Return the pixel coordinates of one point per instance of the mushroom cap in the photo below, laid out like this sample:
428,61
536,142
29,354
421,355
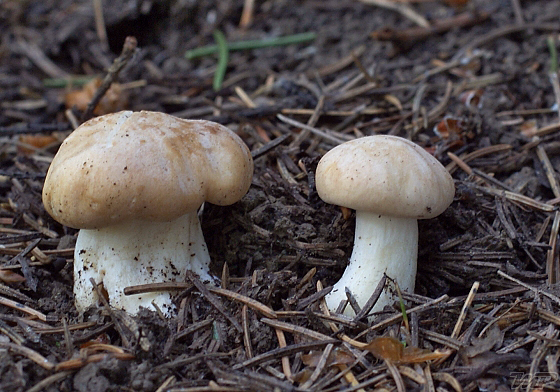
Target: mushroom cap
385,174
144,165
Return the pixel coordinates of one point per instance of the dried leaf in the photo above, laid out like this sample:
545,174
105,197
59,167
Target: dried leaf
8,276
103,339
393,100
338,356
388,348
457,3
36,141
302,376
472,98
114,100
346,213
451,127
494,338
529,128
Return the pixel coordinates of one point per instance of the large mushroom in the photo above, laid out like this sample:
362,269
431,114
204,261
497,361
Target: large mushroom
132,183
390,182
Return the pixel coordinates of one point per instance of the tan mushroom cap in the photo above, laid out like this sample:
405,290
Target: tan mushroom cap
384,174
144,165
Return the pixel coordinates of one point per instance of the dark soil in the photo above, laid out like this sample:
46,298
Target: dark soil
280,241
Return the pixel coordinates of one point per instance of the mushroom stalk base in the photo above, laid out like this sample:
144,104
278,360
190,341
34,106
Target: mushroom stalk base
136,253
382,244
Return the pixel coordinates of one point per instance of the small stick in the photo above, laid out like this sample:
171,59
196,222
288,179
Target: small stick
535,290
166,384
269,146
304,134
411,374
542,230
401,8
100,24
553,73
502,32
53,330
319,368
23,308
403,39
398,317
213,300
287,327
414,329
324,308
246,334
252,303
436,110
506,223
247,14
491,180
40,59
348,375
193,328
480,153
441,68
6,290
352,301
245,97
316,131
225,276
12,239
518,12
286,368
307,277
542,313
288,350
282,314
114,318
29,353
67,339
396,375
77,363
538,355
519,198
338,65
459,162
547,129
552,267
38,226
69,113
128,51
549,170
429,386
44,383
463,315
10,333
30,334
362,69
32,280
372,300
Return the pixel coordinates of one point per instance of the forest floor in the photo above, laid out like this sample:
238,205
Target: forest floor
478,89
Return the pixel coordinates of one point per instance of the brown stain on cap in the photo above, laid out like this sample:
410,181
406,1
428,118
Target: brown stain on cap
145,166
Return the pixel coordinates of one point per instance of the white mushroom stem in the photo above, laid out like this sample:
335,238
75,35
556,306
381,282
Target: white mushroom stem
135,253
382,244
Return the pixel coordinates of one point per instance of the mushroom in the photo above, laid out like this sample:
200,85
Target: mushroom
132,183
390,182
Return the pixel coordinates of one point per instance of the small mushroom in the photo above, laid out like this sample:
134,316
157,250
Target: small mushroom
390,182
132,183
